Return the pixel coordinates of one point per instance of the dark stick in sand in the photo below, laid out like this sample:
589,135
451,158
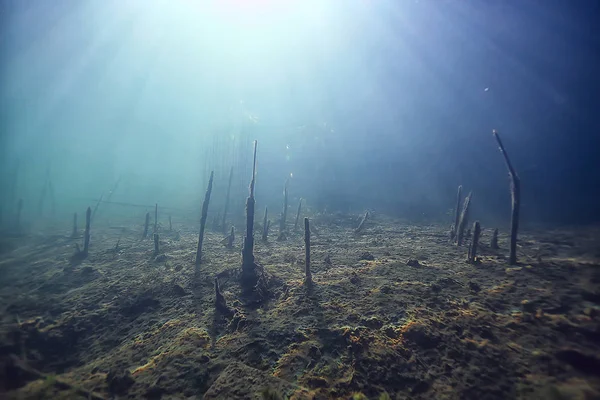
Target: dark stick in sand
472,258
298,215
265,232
464,219
227,200
86,237
203,219
361,225
282,222
249,277
515,191
146,224
155,218
231,238
308,278
494,241
112,191
74,233
456,212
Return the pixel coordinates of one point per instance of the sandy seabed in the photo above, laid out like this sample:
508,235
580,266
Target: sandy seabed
394,312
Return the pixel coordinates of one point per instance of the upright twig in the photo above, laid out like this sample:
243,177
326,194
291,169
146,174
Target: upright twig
515,190
298,215
282,221
472,257
249,277
464,219
203,218
146,225
86,237
456,213
308,278
74,233
97,205
265,232
361,225
231,238
494,240
226,209
156,248
112,191
155,218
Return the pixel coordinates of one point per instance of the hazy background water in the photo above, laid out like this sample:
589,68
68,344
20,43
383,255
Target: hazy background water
379,104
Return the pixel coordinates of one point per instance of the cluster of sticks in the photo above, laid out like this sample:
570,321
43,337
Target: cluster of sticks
461,215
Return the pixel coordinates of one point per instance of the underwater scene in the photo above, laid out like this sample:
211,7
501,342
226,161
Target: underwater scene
261,199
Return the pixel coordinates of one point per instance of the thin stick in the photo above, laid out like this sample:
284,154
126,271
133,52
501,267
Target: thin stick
97,205
515,190
155,218
146,224
248,266
298,215
265,232
472,258
457,211
227,201
112,191
464,219
494,241
86,237
231,238
362,222
282,228
253,172
308,279
203,218
74,233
